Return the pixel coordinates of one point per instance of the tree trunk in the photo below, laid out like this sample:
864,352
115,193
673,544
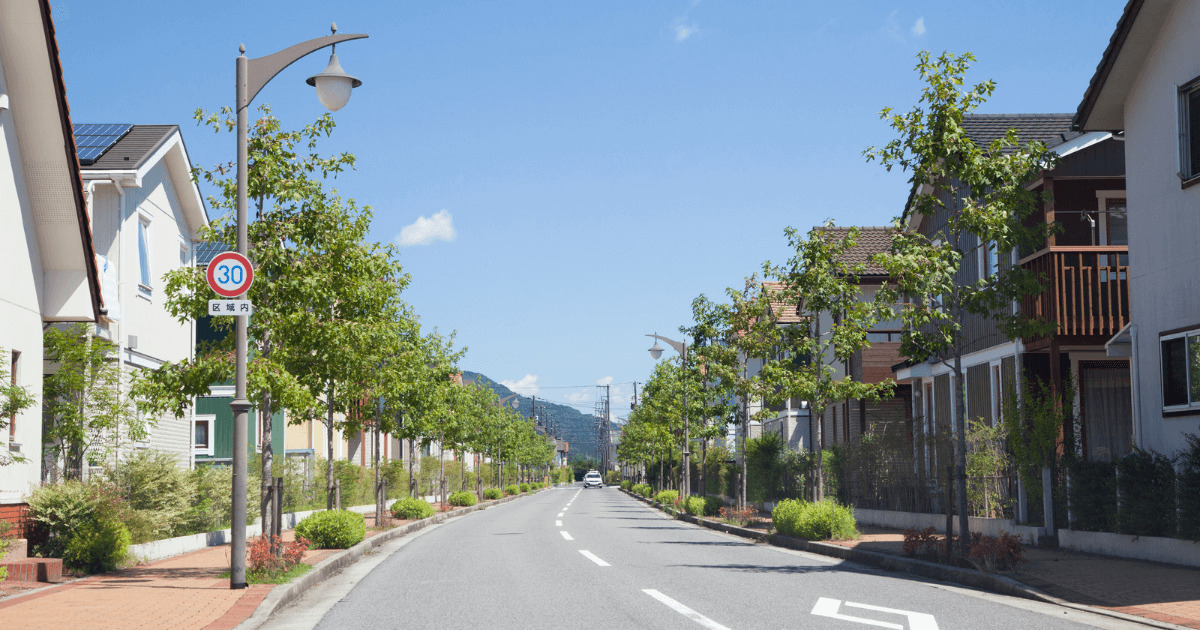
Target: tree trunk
960,455
380,499
329,498
268,467
412,478
441,468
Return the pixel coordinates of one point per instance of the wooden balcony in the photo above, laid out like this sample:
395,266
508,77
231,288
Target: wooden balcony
1086,291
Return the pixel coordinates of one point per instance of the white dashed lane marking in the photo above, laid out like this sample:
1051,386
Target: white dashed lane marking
591,556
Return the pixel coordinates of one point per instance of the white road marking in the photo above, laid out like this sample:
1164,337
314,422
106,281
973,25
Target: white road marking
558,523
591,556
565,534
827,607
560,515
684,610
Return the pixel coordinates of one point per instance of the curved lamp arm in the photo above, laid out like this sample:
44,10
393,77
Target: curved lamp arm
261,70
679,347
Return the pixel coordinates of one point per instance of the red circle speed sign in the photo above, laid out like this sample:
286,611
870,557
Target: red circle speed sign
230,274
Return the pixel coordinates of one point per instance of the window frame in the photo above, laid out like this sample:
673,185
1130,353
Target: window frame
145,237
1189,174
1191,405
211,421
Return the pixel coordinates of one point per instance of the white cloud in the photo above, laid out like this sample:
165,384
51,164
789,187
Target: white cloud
526,386
684,31
918,27
439,227
607,380
579,397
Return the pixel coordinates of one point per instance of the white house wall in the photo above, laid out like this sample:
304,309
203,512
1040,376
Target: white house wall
1164,220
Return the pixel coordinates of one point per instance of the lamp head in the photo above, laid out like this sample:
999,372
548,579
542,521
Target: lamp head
333,85
656,350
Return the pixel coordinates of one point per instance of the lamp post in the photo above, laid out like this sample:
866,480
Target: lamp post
656,352
333,90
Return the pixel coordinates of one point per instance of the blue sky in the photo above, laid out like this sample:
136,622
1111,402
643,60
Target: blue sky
567,176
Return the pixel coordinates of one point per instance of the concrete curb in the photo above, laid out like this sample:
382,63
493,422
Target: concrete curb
932,570
285,594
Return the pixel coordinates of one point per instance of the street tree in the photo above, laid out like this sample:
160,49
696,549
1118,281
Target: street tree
13,400
978,196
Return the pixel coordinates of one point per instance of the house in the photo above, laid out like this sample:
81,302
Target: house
1147,86
847,420
1085,294
145,214
50,271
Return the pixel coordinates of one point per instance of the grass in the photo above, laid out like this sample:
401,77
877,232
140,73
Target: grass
263,577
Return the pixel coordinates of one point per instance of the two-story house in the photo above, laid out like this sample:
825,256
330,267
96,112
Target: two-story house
1085,272
50,274
1147,86
145,214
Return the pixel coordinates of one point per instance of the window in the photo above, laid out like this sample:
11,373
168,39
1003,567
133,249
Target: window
143,241
1181,370
185,254
1189,130
989,262
202,437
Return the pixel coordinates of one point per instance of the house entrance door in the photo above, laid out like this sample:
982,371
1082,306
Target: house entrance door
1106,409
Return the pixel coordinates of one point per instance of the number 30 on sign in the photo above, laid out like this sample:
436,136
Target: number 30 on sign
230,274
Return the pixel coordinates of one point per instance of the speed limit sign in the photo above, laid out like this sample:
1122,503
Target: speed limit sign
230,274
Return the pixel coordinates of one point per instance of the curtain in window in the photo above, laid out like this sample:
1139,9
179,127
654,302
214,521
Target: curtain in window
1107,410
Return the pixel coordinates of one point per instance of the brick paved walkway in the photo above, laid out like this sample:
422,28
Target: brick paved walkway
185,591
1163,592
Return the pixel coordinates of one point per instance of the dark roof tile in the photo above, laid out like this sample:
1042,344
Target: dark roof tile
130,152
1049,129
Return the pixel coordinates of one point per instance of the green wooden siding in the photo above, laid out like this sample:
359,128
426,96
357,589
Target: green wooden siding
223,428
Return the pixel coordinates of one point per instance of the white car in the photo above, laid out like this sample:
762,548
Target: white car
593,478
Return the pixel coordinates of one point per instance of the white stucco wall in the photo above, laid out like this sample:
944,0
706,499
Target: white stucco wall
1164,220
20,309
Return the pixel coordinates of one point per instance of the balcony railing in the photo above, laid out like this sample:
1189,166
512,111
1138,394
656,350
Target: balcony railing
1086,290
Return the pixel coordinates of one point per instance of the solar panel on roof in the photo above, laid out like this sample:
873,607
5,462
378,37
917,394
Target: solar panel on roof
93,140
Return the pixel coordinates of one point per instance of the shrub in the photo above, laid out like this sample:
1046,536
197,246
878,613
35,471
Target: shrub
59,512
694,506
158,492
462,499
989,553
922,543
512,489
626,484
612,477
524,487
821,520
1147,485
493,493
736,517
667,497
410,508
261,557
646,491
1093,492
333,529
97,547
713,505
1189,489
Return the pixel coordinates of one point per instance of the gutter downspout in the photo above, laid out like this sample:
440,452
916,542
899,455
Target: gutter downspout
1139,440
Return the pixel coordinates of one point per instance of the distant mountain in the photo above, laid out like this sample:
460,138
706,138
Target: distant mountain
568,423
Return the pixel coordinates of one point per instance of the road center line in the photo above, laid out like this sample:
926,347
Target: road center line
684,610
565,534
560,515
591,556
558,523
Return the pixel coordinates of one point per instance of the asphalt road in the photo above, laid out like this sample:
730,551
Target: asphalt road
574,558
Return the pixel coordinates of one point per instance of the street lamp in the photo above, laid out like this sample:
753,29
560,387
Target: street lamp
656,352
333,90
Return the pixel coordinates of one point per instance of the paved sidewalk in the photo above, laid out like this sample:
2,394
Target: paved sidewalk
185,591
1162,592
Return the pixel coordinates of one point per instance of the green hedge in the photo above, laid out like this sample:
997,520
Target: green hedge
1189,489
524,487
409,508
626,484
492,494
333,529
814,521
713,505
1094,495
694,506
1147,487
667,497
512,489
462,499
